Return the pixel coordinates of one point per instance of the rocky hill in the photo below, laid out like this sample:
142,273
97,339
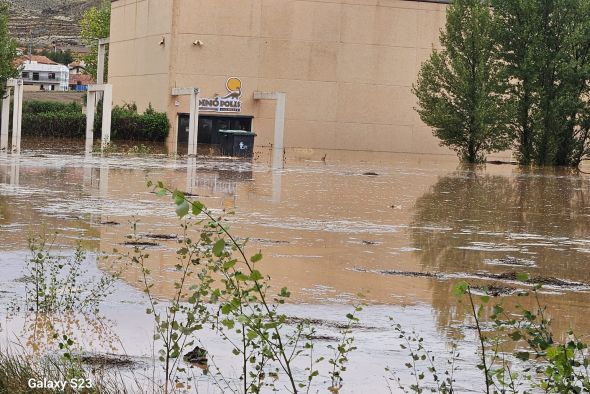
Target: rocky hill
45,22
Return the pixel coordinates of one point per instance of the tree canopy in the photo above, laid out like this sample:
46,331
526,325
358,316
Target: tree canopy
511,72
7,50
95,24
459,88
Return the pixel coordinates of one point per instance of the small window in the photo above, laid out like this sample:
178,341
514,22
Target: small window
51,75
35,76
25,74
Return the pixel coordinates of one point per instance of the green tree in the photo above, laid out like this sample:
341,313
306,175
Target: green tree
7,50
460,89
545,47
95,24
61,57
516,35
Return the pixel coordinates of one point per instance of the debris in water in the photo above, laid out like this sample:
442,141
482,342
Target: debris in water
196,356
161,236
140,243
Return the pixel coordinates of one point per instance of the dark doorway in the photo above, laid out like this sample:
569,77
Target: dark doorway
209,126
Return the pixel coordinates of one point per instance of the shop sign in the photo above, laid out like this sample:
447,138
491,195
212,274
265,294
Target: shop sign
229,103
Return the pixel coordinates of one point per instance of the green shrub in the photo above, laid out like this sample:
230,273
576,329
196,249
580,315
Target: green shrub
127,124
58,120
37,107
54,124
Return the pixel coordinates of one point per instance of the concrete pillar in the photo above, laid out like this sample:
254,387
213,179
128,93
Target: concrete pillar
19,128
277,181
279,120
278,146
90,107
100,61
193,125
17,109
5,121
107,107
191,174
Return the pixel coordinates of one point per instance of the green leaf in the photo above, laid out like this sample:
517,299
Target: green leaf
182,209
257,257
460,289
229,264
255,275
178,197
218,247
522,276
197,207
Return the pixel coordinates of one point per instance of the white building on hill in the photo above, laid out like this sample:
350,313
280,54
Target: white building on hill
41,72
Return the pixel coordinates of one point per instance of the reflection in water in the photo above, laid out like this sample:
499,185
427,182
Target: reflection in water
43,333
535,221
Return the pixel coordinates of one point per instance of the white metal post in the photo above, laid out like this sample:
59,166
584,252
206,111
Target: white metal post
193,122
5,121
107,106
193,128
19,127
191,174
90,106
100,63
278,146
15,120
279,120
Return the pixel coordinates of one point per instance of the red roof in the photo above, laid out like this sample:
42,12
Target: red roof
84,79
35,58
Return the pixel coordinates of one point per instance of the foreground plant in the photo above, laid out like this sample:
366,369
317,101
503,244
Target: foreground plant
55,282
219,286
539,361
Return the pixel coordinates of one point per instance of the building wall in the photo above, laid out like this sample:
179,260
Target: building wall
347,66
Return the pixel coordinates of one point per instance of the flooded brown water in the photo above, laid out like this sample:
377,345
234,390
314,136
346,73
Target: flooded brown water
399,229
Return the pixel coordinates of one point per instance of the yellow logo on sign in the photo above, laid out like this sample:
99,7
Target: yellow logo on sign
228,103
234,87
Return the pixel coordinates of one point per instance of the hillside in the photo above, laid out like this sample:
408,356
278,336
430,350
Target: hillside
48,21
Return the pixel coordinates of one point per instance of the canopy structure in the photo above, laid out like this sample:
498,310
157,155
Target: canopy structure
16,86
107,107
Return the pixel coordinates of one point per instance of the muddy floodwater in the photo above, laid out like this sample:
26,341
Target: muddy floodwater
399,229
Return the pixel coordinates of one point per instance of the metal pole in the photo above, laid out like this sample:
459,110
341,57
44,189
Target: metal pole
193,127
107,107
21,92
5,121
15,113
90,105
278,146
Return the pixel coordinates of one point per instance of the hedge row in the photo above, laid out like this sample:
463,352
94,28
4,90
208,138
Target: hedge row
129,125
36,107
49,119
54,124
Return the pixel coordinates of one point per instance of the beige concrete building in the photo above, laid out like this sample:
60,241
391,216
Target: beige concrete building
346,67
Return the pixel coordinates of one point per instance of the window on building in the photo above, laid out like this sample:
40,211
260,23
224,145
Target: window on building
25,74
35,76
51,75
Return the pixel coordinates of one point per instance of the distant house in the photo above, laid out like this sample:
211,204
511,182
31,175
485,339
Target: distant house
80,82
77,67
42,72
